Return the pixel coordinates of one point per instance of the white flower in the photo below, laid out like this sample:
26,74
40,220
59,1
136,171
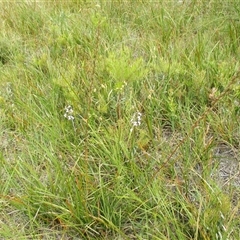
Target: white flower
136,120
69,113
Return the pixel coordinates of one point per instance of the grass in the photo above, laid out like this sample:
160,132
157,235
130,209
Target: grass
119,120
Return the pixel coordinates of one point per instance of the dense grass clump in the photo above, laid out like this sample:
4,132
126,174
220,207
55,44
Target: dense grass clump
119,120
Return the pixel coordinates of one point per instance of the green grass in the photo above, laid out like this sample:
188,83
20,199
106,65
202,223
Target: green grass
154,97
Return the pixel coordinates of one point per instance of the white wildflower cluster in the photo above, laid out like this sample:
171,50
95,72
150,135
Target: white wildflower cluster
69,113
136,120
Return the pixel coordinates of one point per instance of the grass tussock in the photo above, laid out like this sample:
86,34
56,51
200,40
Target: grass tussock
119,120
